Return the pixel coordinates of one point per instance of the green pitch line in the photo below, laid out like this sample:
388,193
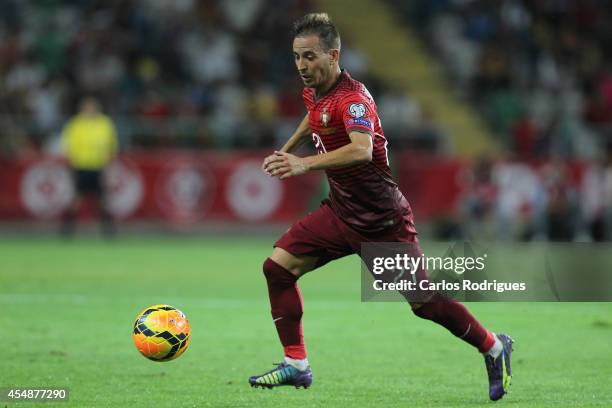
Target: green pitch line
68,307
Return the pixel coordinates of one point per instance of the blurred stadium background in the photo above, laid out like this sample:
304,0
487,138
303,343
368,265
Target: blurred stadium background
497,112
498,118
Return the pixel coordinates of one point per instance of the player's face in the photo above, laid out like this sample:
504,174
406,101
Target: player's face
314,65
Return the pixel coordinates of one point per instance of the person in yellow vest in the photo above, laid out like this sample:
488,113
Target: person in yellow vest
89,142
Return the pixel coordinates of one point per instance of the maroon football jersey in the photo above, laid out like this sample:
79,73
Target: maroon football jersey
364,195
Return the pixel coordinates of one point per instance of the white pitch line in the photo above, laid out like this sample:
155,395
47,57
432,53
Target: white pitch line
209,303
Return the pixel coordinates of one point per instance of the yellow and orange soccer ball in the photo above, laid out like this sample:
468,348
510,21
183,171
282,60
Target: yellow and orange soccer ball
161,333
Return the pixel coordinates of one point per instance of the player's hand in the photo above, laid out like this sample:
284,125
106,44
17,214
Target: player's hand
284,165
269,159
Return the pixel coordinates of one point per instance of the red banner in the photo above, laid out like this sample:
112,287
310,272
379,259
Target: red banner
187,187
432,185
174,186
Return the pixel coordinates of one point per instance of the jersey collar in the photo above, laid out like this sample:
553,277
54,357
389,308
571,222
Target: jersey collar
343,75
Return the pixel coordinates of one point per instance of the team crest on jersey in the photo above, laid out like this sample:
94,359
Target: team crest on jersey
357,110
325,117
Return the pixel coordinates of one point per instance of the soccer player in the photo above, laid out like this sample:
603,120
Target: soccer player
89,141
364,205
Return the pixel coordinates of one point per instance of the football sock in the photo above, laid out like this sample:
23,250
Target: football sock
286,303
458,320
301,365
496,349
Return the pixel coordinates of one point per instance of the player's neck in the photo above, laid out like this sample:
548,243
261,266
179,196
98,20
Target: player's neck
329,84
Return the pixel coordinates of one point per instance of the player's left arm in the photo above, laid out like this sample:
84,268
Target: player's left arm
358,151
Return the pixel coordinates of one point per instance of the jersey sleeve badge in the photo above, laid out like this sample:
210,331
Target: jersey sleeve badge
357,116
357,110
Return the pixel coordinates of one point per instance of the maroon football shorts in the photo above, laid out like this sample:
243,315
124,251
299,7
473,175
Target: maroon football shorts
323,235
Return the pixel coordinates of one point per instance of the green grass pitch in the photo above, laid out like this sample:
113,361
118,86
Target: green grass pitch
67,310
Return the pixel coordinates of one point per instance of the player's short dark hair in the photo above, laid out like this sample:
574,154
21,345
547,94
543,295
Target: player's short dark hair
318,24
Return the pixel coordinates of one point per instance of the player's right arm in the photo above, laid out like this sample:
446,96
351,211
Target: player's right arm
299,137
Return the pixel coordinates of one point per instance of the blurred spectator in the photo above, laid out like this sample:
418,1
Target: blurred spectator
479,200
596,201
561,214
525,137
399,112
45,104
353,60
598,112
407,125
521,201
90,144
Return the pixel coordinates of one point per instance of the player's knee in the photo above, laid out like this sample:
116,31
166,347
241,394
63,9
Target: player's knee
417,309
296,265
276,275
426,311
429,310
415,306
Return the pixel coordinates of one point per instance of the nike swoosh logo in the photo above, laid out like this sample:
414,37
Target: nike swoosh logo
278,318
